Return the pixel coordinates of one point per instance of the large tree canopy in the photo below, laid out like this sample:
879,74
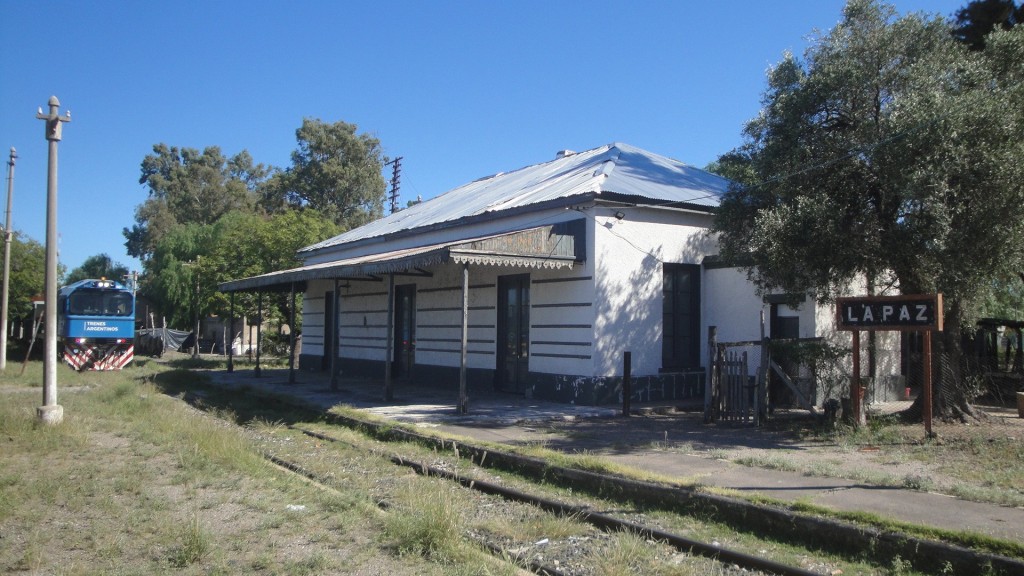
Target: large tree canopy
979,18
211,218
27,279
188,186
98,266
189,261
891,153
334,171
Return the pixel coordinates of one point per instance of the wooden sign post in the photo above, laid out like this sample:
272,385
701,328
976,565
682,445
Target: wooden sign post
922,313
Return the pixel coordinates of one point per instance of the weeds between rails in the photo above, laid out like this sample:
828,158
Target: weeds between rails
602,521
881,546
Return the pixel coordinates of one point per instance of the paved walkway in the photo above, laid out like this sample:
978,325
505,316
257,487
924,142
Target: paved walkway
601,431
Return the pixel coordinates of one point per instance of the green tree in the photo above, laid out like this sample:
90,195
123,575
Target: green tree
335,172
252,244
979,18
175,279
187,186
891,154
28,274
973,23
192,259
98,266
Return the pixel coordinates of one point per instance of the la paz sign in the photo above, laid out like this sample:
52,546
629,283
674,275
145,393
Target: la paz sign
915,312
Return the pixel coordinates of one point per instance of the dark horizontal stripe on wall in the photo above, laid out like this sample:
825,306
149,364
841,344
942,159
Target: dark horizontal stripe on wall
587,326
368,326
363,338
564,305
555,280
308,325
439,289
350,346
454,288
572,356
364,294
450,351
350,312
455,326
543,342
453,308
314,298
455,340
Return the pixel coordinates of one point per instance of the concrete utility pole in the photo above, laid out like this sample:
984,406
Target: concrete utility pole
51,412
7,261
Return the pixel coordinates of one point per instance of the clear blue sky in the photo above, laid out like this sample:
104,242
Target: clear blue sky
459,89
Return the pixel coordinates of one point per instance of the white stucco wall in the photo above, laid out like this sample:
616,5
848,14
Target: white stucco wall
561,317
313,318
582,319
629,254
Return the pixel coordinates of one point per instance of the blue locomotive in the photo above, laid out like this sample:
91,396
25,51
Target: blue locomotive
96,324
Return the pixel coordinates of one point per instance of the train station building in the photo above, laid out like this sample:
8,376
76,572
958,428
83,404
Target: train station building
537,281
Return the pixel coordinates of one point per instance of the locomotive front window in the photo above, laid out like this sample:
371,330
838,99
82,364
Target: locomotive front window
118,304
100,303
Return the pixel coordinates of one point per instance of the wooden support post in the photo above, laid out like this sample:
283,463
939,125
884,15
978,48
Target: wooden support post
627,381
856,392
463,406
927,383
231,336
761,392
337,338
259,331
710,376
389,394
291,337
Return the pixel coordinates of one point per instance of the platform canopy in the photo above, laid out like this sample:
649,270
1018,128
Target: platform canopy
553,246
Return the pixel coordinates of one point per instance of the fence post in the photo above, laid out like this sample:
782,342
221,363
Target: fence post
761,404
627,383
708,385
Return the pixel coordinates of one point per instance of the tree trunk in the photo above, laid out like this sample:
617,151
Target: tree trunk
951,392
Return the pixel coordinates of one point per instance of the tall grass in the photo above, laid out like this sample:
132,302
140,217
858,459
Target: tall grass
194,544
426,521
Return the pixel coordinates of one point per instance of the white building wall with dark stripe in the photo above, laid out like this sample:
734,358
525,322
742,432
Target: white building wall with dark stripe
313,320
629,255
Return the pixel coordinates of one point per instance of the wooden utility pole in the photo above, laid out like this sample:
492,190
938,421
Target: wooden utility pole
7,261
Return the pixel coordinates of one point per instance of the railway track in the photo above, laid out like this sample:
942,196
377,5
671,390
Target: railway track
824,536
731,559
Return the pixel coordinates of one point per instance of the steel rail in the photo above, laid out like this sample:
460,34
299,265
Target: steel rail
597,519
534,566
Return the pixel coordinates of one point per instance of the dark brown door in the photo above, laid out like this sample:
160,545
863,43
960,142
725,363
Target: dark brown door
405,330
681,317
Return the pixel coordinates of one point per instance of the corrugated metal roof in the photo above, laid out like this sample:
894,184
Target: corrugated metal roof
406,260
611,170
